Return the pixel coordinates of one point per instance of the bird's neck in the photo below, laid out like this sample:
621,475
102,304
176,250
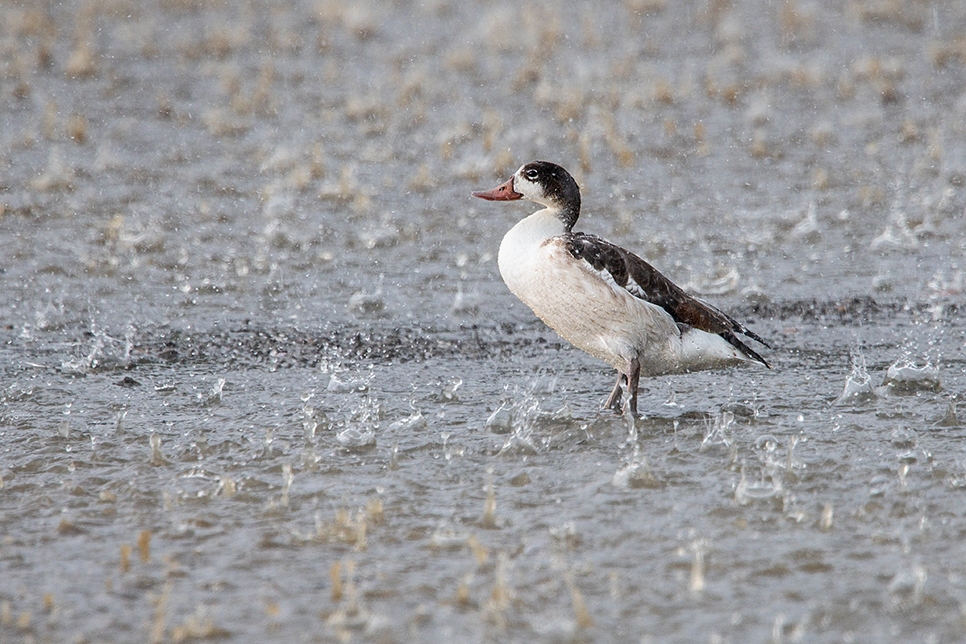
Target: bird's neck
567,213
537,228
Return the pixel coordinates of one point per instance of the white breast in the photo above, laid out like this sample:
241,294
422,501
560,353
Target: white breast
520,250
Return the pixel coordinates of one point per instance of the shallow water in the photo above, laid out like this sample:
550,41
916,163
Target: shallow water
260,380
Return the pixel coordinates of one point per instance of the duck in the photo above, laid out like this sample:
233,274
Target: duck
604,299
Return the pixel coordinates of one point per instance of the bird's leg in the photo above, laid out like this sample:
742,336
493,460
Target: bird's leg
633,377
614,400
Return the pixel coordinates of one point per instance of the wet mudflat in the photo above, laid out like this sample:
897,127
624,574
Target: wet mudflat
260,380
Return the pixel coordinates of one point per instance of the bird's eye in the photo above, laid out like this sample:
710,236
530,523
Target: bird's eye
531,174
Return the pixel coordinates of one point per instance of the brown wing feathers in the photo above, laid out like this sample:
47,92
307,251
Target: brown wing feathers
642,280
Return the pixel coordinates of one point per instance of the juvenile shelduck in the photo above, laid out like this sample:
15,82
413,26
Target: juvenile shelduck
602,298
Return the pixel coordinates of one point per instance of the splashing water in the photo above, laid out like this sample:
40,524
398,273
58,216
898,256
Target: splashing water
500,420
448,393
214,396
523,416
905,375
635,473
157,458
309,424
289,477
696,583
522,419
412,423
519,415
858,384
905,588
338,386
717,431
359,431
102,352
747,491
896,236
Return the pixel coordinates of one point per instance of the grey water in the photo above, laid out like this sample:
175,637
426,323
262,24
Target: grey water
260,379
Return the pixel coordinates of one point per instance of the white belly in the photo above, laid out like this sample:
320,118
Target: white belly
611,325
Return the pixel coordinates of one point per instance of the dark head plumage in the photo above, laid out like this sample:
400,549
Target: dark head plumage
558,188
